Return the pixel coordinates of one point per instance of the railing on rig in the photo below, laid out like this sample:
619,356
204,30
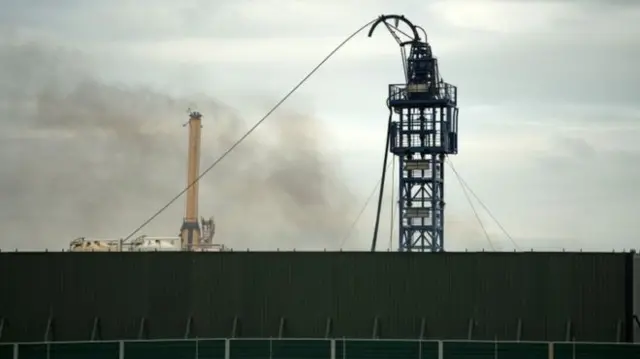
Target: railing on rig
441,92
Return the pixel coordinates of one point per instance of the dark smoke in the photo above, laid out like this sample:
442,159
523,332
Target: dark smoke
83,158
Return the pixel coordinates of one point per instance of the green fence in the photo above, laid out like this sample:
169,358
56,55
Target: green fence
315,349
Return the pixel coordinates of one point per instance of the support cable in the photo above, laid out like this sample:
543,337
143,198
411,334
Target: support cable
475,212
364,207
253,128
468,188
374,241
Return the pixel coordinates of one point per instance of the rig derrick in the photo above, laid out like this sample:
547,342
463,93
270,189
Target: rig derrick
422,131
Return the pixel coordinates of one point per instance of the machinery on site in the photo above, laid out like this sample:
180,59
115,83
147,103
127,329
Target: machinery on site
422,131
139,244
196,234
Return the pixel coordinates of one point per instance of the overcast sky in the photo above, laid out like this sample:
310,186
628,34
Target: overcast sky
93,96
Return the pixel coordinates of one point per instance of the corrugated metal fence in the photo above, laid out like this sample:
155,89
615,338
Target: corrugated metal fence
636,297
317,349
479,296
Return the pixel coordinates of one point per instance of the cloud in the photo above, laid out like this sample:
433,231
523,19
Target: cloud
542,17
503,16
85,158
251,50
123,20
548,96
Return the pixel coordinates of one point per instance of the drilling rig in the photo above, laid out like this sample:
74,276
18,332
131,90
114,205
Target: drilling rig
423,132
196,234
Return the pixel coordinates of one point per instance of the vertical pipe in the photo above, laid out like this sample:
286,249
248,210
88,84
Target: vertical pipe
193,167
387,147
441,206
393,205
190,231
400,203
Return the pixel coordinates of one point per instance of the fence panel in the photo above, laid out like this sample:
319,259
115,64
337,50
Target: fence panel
595,351
210,349
386,349
80,350
301,349
6,351
250,349
279,349
492,350
174,349
523,350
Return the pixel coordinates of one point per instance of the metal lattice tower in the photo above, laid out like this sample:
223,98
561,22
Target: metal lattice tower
423,129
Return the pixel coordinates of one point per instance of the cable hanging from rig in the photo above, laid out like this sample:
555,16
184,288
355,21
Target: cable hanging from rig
253,128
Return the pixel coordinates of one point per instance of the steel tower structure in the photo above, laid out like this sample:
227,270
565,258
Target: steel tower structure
423,130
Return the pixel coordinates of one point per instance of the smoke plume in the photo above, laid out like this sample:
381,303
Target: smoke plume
81,158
